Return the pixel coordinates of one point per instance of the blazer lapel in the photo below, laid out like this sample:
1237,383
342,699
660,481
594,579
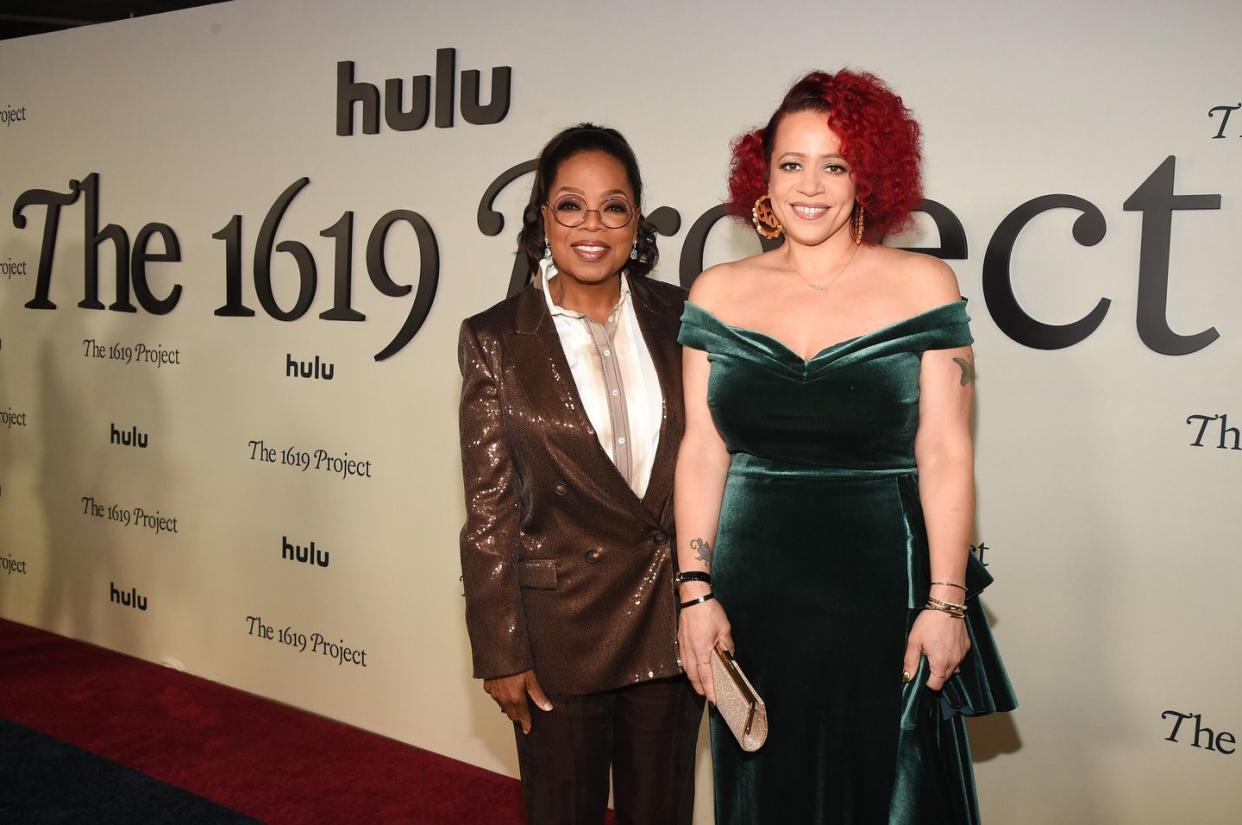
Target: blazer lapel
659,321
549,384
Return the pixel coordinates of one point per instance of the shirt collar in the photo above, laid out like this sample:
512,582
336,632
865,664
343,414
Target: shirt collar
555,309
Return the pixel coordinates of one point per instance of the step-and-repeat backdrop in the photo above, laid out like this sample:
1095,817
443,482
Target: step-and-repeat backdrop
236,243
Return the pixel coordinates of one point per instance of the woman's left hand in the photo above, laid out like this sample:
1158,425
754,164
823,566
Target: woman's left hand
944,641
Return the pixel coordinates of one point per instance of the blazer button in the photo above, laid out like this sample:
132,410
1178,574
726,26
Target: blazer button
560,488
593,555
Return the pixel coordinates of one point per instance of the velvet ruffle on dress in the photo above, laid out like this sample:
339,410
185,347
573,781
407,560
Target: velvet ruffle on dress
821,564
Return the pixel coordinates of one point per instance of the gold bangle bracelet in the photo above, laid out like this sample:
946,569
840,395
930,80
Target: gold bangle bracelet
945,603
957,611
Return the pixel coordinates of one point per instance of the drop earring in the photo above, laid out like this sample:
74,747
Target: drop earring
547,266
764,218
856,224
634,251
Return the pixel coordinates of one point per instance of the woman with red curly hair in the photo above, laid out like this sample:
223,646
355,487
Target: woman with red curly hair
825,484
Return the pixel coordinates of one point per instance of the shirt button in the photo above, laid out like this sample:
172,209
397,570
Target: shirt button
593,555
607,352
616,392
621,439
560,488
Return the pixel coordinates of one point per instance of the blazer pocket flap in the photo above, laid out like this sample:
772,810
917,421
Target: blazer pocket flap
537,574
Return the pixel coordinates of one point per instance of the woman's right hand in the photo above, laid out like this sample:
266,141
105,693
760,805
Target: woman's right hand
510,693
699,628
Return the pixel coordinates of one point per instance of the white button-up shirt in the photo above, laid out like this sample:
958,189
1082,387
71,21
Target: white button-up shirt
617,380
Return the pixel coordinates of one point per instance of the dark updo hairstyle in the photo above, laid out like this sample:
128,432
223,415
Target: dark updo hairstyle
879,139
585,137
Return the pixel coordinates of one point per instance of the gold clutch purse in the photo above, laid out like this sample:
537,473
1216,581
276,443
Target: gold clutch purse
737,702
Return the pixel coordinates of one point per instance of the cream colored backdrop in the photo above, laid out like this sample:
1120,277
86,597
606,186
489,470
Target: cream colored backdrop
1114,540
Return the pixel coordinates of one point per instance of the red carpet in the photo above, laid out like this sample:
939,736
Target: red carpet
265,760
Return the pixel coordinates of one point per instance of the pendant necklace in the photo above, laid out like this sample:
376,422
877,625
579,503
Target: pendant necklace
819,287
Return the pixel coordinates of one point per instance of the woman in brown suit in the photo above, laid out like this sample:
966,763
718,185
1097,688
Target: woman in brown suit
571,416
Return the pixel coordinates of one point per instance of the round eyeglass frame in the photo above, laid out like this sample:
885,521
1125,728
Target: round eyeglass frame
556,215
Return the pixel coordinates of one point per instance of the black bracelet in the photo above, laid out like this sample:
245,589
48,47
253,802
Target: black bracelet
699,600
692,576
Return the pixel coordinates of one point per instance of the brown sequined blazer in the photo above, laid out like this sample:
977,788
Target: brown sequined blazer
565,569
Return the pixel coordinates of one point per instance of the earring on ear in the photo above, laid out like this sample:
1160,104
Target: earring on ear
857,220
764,218
634,251
547,266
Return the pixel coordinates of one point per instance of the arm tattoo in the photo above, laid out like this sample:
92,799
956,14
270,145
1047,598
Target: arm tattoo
968,371
702,551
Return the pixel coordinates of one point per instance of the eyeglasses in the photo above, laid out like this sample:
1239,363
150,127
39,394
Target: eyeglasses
571,211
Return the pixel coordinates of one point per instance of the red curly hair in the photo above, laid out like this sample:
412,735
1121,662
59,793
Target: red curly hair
879,138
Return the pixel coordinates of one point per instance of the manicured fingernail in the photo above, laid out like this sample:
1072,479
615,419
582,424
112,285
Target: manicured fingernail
906,676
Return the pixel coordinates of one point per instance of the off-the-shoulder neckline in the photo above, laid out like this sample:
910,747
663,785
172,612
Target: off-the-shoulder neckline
831,347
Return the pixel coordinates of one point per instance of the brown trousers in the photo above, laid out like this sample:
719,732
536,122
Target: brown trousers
646,732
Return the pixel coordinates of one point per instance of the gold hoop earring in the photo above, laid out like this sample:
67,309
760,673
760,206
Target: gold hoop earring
857,223
764,219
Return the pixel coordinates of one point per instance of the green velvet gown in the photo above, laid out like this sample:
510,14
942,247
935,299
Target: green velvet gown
821,564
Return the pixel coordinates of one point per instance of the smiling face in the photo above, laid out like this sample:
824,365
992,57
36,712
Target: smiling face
591,187
809,182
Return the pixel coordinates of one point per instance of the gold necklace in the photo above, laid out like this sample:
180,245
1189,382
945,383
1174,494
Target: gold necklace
818,287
